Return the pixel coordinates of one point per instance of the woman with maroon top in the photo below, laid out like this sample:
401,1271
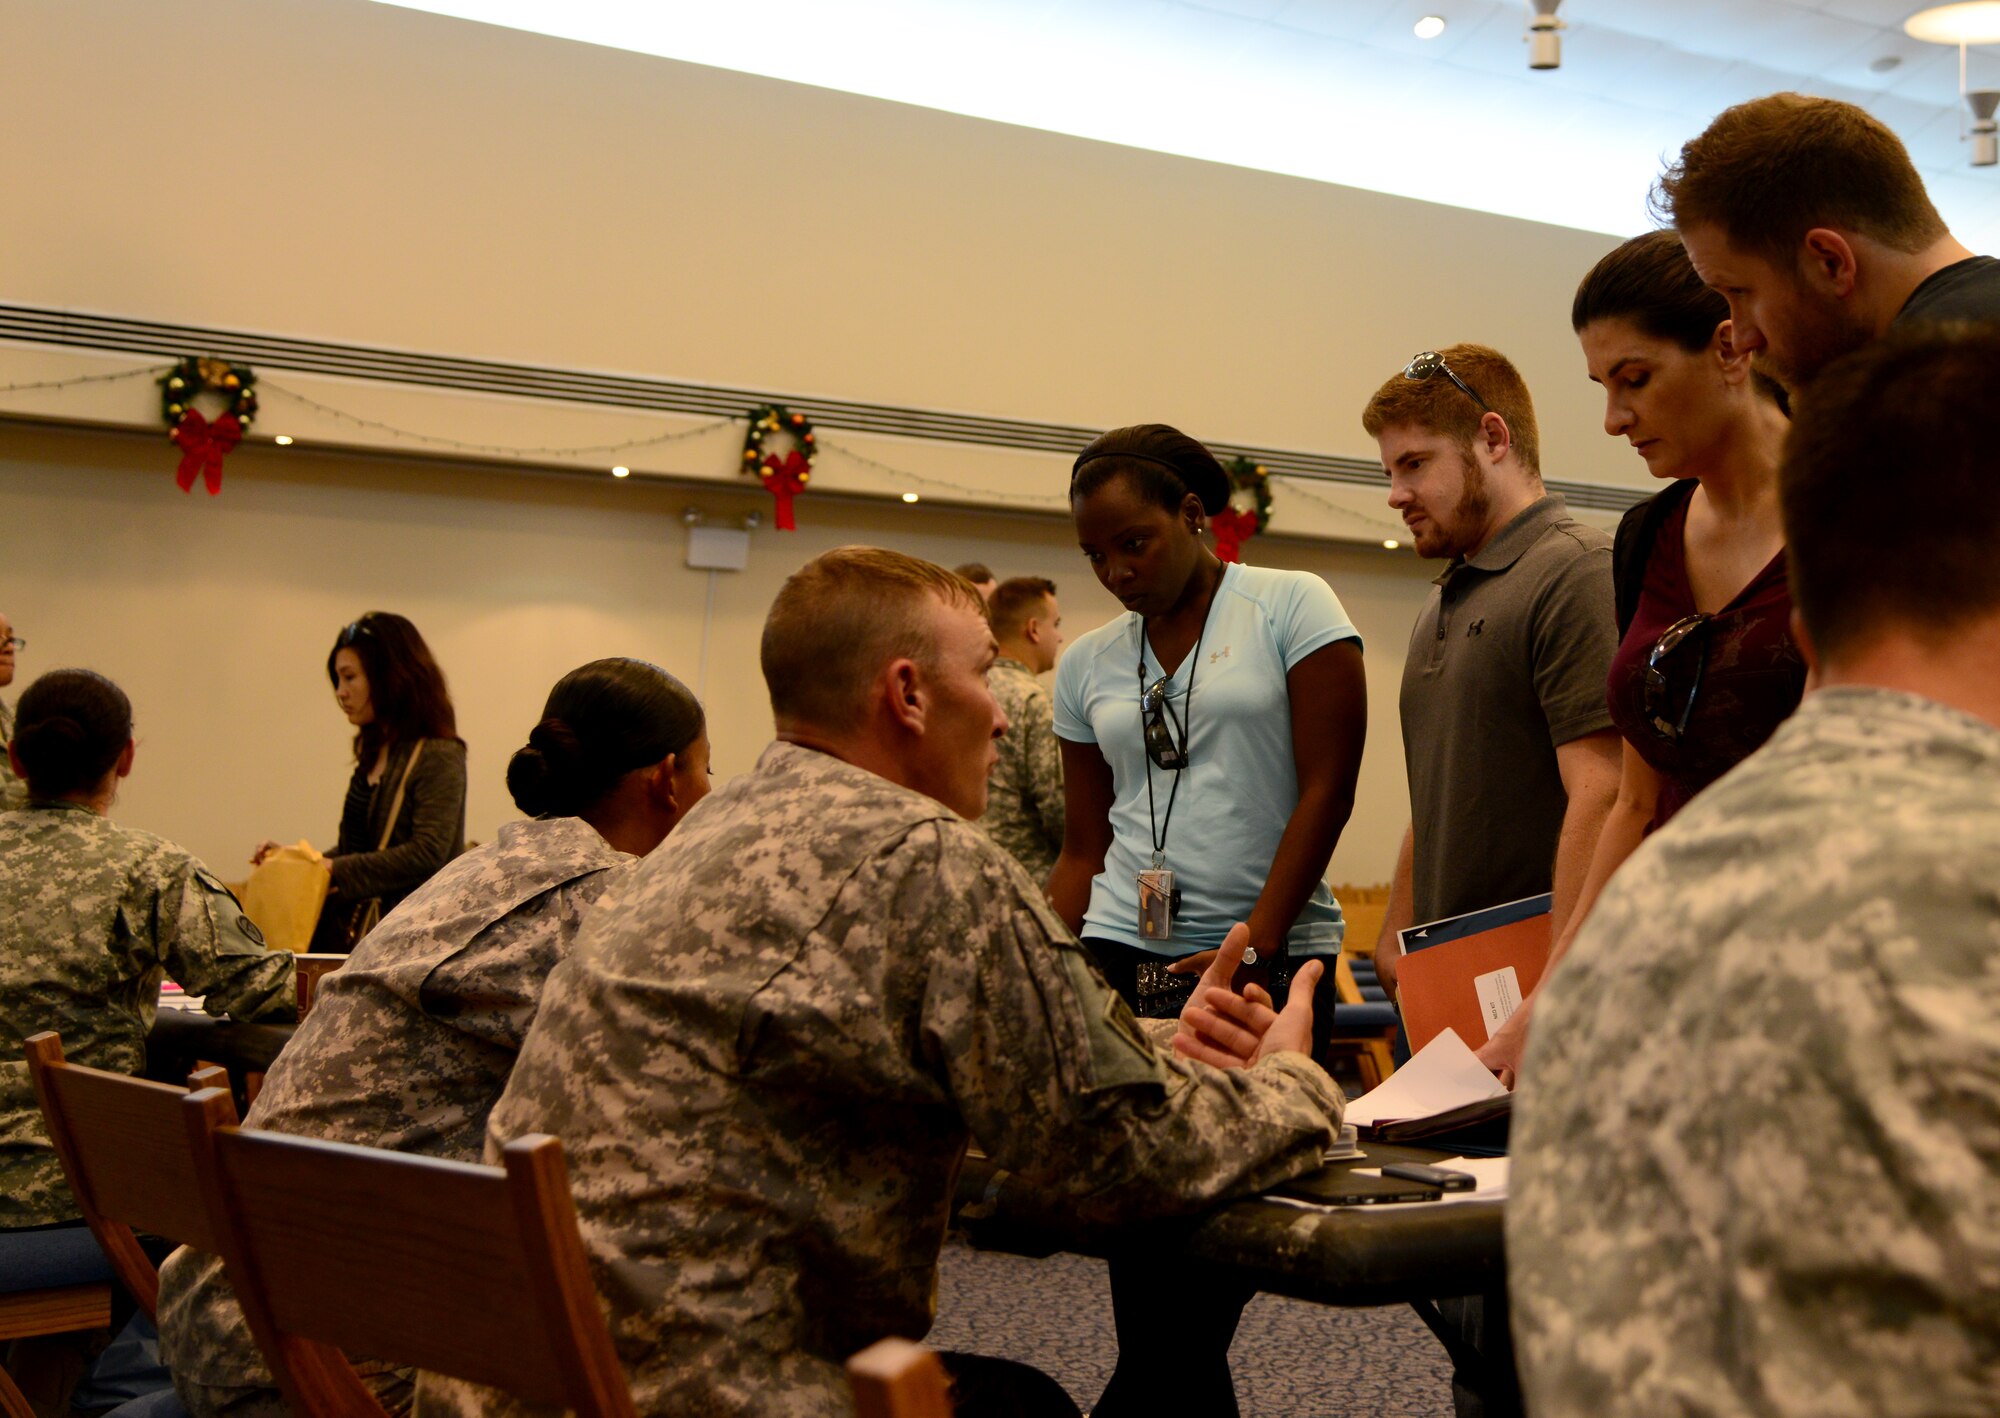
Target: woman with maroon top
1707,667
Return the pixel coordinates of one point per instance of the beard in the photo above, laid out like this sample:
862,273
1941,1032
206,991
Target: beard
1820,332
1456,532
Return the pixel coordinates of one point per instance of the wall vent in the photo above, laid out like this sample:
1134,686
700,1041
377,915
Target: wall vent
80,330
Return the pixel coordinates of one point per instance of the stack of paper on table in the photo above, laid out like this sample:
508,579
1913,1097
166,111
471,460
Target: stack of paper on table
1443,1086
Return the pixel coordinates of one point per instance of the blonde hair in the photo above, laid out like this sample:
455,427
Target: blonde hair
842,616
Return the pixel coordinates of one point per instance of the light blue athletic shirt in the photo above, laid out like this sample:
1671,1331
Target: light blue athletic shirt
1242,782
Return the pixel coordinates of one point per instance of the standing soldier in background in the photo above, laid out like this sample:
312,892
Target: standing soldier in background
981,577
1024,793
13,792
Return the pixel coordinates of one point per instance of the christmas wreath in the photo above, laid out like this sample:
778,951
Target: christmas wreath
1235,525
784,478
204,444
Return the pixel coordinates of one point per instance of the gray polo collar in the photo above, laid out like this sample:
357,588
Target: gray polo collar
1511,541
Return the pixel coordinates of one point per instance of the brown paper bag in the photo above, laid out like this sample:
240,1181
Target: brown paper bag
284,896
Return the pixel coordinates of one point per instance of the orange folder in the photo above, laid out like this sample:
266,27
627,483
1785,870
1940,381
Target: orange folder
1441,985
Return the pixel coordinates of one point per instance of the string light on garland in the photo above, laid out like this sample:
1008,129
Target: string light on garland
204,444
1236,524
784,478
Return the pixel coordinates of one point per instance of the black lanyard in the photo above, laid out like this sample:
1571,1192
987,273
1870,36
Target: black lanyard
1157,829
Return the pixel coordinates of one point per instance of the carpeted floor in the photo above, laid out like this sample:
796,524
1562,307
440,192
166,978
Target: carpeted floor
1291,1359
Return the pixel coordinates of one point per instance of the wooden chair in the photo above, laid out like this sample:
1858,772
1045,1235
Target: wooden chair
123,1147
1368,1040
896,1378
475,1272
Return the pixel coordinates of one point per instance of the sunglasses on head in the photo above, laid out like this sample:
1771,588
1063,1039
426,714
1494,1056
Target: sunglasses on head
1429,364
1658,700
1166,746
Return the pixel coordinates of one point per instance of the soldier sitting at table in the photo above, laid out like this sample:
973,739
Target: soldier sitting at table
92,916
410,1043
768,1052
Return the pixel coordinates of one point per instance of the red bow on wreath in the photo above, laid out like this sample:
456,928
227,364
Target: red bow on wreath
204,446
1233,527
786,479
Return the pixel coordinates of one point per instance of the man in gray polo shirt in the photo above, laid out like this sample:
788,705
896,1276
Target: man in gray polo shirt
1513,761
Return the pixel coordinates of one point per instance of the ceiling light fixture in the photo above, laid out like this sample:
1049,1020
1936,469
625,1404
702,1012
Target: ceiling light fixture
1974,22
1429,27
1390,544
621,472
1985,131
283,440
910,497
1545,45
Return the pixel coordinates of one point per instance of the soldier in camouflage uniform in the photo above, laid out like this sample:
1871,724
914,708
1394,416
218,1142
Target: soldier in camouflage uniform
1757,1144
92,915
1024,793
768,1052
409,1044
13,791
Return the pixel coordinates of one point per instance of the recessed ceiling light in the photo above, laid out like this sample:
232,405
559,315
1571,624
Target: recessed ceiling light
621,472
909,497
283,440
1390,543
1429,27
1976,22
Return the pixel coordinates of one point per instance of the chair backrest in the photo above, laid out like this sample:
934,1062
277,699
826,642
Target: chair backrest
123,1144
470,1271
897,1378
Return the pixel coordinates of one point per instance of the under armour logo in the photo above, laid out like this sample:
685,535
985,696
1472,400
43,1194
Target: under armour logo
1475,627
1222,654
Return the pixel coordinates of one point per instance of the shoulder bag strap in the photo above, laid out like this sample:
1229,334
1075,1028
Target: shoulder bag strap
396,803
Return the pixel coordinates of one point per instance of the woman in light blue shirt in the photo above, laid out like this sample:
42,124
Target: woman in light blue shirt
1254,674
1212,733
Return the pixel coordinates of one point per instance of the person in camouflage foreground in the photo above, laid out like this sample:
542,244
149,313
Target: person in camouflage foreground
410,1042
1757,1143
769,1049
92,916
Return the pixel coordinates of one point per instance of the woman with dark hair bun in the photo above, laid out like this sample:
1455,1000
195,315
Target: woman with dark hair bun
92,916
404,815
409,1044
1706,667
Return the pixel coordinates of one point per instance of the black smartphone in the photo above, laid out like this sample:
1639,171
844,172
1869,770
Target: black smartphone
1443,1178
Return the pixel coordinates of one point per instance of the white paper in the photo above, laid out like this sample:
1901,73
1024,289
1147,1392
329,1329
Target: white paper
1499,996
1442,1075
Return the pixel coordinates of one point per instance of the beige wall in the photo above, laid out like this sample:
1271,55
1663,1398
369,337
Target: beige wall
217,615
352,171
342,170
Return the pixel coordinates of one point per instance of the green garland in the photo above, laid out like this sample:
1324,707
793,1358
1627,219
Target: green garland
1255,479
767,419
235,382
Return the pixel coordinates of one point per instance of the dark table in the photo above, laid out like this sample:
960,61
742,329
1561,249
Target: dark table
1350,1255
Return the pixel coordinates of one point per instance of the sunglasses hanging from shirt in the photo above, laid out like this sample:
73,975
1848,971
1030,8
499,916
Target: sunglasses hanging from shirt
1166,735
1657,690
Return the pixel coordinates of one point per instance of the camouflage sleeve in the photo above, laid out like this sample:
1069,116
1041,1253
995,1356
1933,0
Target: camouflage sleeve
212,949
1044,764
1053,1075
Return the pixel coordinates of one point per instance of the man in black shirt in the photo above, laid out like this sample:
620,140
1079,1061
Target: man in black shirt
1808,216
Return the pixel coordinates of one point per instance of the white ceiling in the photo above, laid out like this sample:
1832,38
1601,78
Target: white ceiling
1342,90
